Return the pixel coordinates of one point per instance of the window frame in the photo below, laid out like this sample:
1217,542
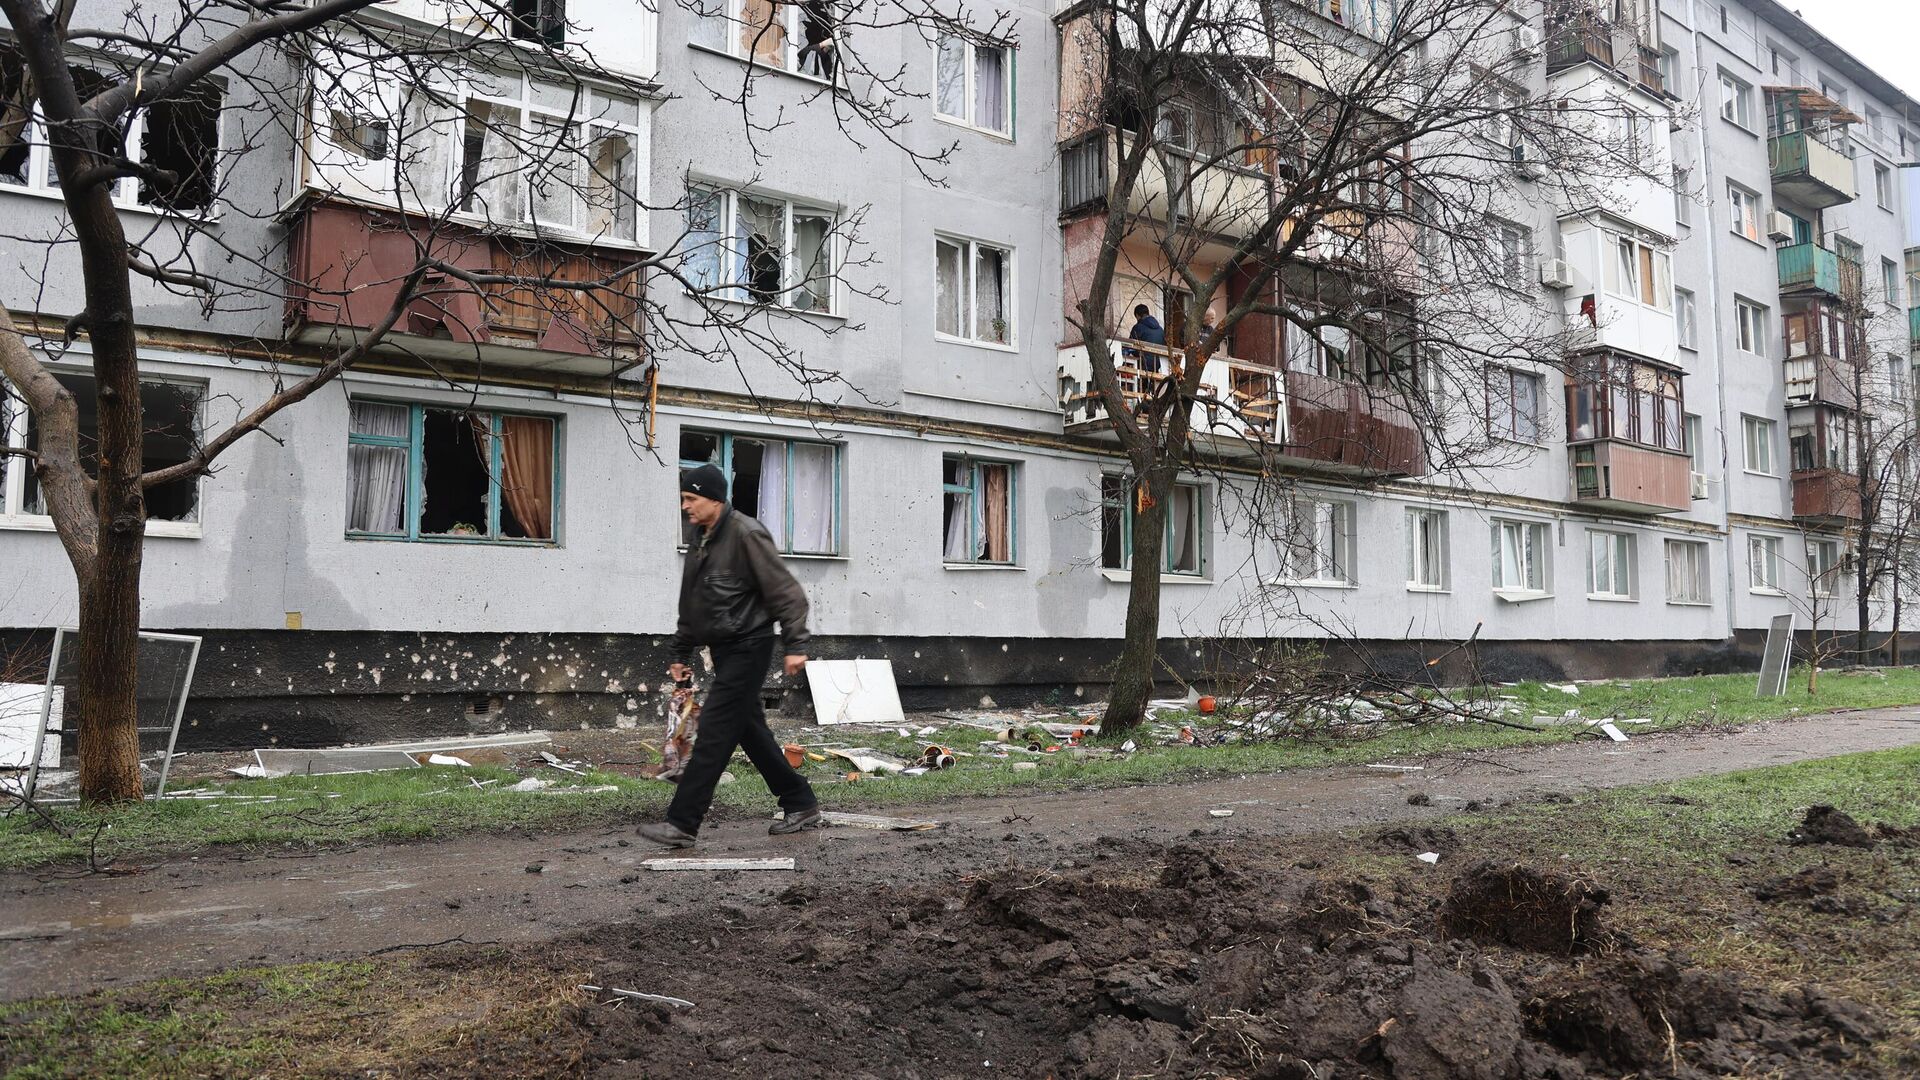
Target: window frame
1439,559
1686,319
1890,275
13,484
1822,581
969,90
970,316
1737,93
732,22
124,192
1123,503
1739,198
1534,540
1646,270
724,446
972,466
1749,425
727,286
1622,554
415,447
1339,515
1509,432
1699,568
1759,314
1769,584
1884,194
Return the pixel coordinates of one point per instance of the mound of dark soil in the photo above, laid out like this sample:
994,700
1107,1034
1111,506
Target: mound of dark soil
1414,839
1805,885
1539,911
1825,825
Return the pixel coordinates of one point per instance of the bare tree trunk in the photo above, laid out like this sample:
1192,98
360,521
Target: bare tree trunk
1133,674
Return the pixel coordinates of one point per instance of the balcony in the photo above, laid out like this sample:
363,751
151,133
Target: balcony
1649,71
1821,380
1812,268
1222,199
1346,427
1808,171
347,263
1913,327
1583,39
1631,478
1826,496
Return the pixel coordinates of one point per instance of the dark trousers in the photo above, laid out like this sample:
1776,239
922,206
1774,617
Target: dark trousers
733,716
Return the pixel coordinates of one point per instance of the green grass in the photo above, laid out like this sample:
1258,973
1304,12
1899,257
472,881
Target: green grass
440,801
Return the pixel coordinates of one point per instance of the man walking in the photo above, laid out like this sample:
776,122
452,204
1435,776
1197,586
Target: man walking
732,590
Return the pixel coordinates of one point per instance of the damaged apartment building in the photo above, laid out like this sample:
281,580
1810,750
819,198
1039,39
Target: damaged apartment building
476,529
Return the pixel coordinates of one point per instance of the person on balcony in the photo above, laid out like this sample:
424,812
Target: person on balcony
1148,329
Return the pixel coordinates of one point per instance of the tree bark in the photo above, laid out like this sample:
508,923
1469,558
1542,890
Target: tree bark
1133,673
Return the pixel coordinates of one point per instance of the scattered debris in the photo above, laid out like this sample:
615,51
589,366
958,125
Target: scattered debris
635,995
1219,813
561,765
250,772
717,864
467,742
1612,732
869,761
1565,688
531,783
536,868
1400,768
854,692
275,762
874,821
448,759
1428,857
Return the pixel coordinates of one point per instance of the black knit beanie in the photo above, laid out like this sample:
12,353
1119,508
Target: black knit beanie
706,481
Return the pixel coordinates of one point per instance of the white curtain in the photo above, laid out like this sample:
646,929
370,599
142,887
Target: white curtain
773,492
377,475
990,88
951,93
813,254
950,274
958,515
1184,556
813,509
990,305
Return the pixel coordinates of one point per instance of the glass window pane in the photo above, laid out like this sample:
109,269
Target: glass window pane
759,237
990,88
612,178
813,246
951,289
950,94
705,256
990,303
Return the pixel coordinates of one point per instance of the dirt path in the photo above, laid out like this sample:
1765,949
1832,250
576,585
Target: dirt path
208,914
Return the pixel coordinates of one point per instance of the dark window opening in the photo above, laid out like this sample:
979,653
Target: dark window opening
183,138
14,160
171,417
454,479
749,462
1113,523
764,268
540,20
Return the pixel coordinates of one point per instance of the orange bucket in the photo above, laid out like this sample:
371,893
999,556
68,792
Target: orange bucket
1206,706
796,756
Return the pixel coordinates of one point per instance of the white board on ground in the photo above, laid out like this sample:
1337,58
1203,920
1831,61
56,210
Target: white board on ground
854,692
20,722
316,762
685,863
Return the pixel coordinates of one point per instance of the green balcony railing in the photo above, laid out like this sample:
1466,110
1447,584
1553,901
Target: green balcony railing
1809,266
1913,327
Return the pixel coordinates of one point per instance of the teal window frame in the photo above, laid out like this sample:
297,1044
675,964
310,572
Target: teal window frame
972,489
724,443
1123,502
414,445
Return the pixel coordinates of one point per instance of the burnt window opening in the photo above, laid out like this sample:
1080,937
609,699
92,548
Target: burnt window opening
454,480
171,417
14,161
540,20
482,706
182,137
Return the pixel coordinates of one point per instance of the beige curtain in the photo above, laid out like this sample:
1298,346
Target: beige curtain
995,532
526,481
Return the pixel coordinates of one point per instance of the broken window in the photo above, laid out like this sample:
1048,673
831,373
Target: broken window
540,20
171,417
760,250
790,486
802,38
973,287
415,472
179,136
1183,546
977,523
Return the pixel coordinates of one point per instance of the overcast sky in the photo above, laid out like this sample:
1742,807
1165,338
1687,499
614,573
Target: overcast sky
1883,34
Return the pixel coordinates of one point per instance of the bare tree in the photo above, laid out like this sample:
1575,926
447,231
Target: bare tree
1327,217
470,177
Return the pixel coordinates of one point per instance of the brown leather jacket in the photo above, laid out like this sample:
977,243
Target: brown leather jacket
733,587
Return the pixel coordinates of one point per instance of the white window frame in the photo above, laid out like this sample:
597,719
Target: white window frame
728,286
1736,100
724,443
1627,282
1750,326
1611,570
1695,427
1199,505
793,37
1686,319
586,114
124,192
1757,432
1513,247
1682,200
1763,565
970,91
1522,538
1695,570
1823,568
1890,282
1320,535
970,293
1883,186
1745,205
1429,558
13,487
1503,406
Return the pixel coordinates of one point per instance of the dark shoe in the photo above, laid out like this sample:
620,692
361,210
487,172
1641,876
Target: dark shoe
666,834
798,821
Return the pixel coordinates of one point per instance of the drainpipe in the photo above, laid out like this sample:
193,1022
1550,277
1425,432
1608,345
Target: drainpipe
1719,380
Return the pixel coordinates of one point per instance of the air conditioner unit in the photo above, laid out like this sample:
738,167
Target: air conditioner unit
1779,226
1697,485
1526,42
1556,274
1524,164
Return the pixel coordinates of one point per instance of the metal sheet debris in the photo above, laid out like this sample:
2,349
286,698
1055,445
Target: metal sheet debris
318,762
854,692
718,864
661,999
20,721
1612,732
1428,857
467,742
